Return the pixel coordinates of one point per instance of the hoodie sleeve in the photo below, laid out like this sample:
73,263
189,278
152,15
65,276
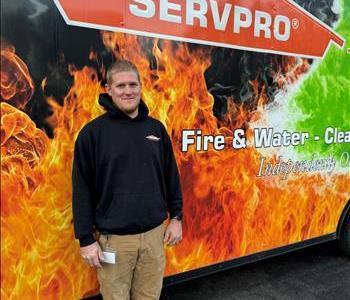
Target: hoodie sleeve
172,180
82,182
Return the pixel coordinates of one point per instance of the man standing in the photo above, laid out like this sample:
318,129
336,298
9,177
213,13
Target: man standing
125,182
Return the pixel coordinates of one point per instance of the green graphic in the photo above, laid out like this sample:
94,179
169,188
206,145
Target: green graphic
324,97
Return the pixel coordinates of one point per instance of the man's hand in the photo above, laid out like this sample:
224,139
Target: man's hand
92,254
173,233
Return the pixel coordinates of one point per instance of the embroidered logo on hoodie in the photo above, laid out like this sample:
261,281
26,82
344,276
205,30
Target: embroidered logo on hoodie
152,138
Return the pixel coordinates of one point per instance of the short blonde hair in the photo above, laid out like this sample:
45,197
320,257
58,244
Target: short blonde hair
121,66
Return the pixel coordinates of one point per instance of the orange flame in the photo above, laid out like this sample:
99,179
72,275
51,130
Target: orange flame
229,212
17,86
39,257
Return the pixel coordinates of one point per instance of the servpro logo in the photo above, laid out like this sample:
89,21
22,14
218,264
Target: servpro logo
273,26
264,24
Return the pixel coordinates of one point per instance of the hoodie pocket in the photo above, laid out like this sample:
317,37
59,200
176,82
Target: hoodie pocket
140,206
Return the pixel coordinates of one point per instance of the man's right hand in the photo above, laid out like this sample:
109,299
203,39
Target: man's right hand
92,254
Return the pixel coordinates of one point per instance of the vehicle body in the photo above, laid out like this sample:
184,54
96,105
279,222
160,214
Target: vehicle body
254,96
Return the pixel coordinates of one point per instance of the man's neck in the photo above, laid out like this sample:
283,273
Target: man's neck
134,114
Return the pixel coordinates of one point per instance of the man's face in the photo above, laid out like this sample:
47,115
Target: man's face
125,91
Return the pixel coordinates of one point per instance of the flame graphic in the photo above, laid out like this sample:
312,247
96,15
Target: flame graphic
229,212
17,86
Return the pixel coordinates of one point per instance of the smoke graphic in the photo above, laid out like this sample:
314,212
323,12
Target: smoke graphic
238,69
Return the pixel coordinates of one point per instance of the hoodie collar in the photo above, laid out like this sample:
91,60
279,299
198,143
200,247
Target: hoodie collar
106,101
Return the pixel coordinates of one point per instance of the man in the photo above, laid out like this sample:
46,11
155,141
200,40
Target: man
125,182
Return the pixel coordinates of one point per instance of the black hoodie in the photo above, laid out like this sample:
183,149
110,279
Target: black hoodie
125,177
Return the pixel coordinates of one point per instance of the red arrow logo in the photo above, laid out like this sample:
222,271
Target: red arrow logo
273,26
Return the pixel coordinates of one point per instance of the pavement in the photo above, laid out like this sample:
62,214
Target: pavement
319,272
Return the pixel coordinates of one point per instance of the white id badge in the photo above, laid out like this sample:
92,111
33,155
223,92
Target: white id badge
109,256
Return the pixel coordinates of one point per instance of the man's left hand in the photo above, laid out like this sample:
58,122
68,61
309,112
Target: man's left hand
173,233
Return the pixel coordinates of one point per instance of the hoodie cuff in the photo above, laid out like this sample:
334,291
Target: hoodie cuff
174,213
87,240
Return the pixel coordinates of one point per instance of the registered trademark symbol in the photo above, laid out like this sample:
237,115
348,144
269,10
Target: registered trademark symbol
295,23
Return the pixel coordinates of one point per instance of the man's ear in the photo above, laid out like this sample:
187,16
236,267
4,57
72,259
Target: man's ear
108,89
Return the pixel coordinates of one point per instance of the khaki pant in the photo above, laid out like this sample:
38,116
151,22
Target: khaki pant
139,268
